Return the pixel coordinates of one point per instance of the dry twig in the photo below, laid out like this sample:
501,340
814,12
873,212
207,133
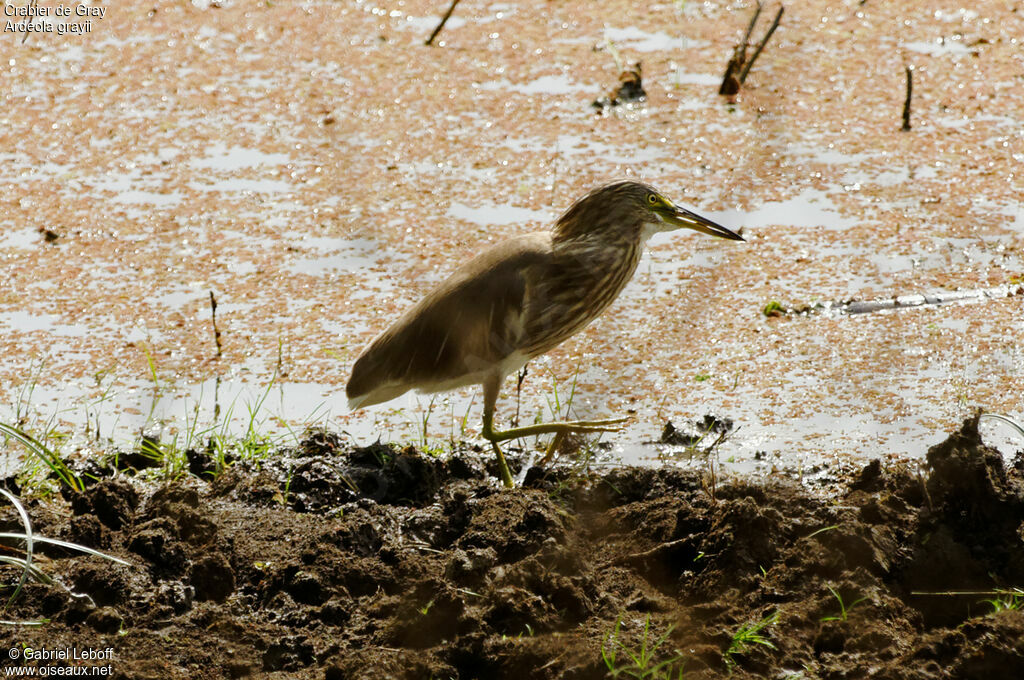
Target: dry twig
444,20
906,102
739,66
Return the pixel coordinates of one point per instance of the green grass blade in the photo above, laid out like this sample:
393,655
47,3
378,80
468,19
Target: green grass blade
27,538
44,452
33,571
33,624
1012,423
65,544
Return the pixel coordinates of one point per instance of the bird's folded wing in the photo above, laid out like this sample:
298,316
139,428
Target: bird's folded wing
465,328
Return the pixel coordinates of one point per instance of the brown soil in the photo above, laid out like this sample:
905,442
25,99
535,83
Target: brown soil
374,563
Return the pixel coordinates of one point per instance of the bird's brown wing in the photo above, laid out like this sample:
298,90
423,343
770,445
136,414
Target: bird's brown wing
462,329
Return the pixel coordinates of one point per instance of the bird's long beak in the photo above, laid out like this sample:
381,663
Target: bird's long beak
682,217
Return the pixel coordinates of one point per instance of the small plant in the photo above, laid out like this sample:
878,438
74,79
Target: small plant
422,424
94,408
773,308
23,401
46,454
1006,600
463,422
282,497
748,635
1001,599
169,455
425,420
151,363
556,406
253,445
844,609
526,632
583,447
640,663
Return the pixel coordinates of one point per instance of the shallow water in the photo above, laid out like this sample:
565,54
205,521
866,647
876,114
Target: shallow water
319,184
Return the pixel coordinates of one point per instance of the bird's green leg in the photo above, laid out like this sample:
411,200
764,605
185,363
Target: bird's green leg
506,476
491,387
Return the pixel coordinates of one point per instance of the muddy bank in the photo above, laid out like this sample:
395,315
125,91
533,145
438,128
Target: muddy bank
334,562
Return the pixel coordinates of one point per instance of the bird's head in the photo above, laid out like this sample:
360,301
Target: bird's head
632,209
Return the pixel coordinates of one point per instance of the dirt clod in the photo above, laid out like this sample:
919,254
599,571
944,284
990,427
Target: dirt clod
212,578
111,501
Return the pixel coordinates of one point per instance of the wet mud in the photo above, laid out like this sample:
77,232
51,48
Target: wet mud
330,561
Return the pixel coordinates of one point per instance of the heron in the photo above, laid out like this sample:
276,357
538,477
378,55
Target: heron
517,300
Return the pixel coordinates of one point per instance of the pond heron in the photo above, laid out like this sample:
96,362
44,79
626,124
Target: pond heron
516,301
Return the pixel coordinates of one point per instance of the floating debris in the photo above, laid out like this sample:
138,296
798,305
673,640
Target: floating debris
630,89
697,431
851,307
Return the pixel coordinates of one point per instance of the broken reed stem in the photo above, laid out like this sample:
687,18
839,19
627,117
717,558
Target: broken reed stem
444,20
906,102
750,31
760,46
213,315
730,81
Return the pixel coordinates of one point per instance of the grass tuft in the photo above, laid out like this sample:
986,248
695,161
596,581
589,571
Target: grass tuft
844,609
44,453
1006,600
748,635
639,662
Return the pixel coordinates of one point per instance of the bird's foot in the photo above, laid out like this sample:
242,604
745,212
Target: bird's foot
506,476
576,427
562,427
605,425
558,428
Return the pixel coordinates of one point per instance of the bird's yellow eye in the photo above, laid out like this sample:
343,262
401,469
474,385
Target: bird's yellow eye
652,199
